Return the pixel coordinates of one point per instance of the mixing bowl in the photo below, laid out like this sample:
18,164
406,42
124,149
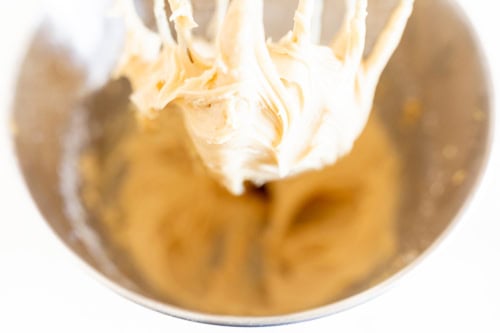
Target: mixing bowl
434,99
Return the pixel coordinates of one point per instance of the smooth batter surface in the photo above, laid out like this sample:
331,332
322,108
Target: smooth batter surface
293,245
259,110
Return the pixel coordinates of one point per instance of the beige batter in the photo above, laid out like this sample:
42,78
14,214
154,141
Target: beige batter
295,244
259,110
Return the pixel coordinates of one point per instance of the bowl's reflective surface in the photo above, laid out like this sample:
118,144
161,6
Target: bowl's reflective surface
437,70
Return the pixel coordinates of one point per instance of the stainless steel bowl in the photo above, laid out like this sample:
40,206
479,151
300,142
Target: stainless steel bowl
437,70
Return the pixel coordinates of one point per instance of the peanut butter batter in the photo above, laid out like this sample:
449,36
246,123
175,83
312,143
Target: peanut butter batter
259,110
291,245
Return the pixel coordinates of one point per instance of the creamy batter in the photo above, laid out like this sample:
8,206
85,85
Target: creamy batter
292,245
265,120
258,110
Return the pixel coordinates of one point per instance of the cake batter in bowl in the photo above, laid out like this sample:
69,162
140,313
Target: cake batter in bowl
428,138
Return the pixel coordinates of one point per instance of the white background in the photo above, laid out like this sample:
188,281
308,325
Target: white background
42,288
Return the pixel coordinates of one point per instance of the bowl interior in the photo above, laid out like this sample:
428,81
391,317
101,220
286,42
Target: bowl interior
433,98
